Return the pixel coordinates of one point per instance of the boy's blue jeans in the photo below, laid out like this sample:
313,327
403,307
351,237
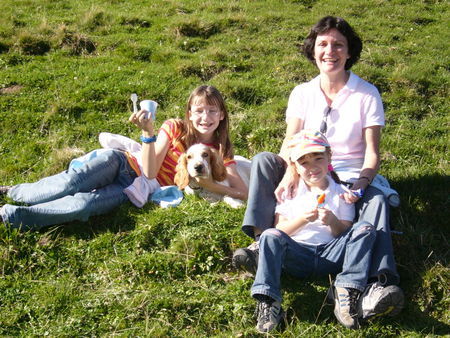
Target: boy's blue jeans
75,194
348,256
267,171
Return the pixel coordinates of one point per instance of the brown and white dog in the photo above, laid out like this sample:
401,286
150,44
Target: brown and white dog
202,161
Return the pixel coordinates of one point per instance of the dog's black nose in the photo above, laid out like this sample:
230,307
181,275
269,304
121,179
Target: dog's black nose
198,168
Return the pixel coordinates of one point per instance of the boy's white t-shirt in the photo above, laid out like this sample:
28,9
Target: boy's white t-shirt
316,233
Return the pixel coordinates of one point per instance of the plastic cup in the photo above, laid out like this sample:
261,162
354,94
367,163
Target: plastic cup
150,106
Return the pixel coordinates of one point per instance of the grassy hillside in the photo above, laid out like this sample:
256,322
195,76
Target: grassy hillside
67,69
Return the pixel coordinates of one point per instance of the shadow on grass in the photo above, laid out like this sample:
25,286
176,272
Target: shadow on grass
422,258
308,299
422,251
308,303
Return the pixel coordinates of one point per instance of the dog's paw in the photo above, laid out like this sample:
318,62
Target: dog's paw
189,191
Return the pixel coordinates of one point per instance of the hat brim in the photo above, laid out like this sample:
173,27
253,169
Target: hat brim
298,153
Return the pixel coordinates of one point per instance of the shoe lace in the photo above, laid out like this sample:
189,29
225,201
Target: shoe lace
376,287
353,296
372,291
257,310
264,312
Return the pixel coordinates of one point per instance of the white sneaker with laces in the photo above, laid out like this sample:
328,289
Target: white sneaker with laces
378,300
345,306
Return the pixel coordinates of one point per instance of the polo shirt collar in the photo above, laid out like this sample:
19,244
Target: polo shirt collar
352,83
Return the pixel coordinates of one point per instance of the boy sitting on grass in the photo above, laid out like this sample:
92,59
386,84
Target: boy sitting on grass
313,234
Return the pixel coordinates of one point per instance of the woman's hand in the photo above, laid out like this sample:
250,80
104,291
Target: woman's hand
349,198
139,120
359,184
288,185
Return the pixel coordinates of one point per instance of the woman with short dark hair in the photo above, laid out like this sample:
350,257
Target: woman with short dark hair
324,25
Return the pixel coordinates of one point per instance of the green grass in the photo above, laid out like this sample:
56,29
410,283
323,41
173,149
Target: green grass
67,69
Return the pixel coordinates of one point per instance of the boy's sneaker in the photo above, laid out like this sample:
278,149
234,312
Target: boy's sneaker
269,314
247,258
4,189
345,306
378,300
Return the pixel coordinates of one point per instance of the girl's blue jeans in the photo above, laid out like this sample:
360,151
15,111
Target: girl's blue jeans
348,256
75,194
267,171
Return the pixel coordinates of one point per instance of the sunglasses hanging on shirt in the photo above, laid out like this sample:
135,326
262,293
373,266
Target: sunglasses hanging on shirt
323,124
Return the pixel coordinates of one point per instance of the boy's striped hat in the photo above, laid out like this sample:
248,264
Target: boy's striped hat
306,142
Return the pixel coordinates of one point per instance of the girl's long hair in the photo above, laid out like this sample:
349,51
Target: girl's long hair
189,136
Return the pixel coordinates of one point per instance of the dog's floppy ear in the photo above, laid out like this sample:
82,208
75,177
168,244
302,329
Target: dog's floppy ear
219,172
182,175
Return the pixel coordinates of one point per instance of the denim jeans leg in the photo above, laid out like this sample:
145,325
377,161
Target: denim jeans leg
272,249
374,209
277,252
98,172
79,206
266,173
349,255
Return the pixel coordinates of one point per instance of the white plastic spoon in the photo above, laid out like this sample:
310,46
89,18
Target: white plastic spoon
134,98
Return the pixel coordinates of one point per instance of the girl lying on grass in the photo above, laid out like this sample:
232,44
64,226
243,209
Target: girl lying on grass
107,180
314,236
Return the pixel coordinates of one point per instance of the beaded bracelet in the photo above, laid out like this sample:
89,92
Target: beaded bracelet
148,139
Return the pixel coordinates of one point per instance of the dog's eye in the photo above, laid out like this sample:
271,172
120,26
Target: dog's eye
205,155
189,157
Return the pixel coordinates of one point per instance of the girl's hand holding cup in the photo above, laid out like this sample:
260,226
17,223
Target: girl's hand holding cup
139,120
145,117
